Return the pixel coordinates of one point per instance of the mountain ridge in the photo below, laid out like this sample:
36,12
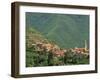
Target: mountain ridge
67,31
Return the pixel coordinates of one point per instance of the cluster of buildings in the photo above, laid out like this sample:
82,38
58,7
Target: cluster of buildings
57,51
84,50
48,47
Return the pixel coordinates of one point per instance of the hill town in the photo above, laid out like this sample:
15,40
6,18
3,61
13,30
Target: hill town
56,50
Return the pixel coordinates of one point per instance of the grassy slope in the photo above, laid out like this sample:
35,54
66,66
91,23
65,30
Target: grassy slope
33,36
66,30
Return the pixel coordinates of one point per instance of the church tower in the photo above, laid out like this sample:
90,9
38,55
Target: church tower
85,45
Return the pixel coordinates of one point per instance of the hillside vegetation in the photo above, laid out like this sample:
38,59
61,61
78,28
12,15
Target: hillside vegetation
43,52
68,31
56,39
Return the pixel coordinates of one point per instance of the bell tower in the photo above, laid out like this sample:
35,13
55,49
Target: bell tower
85,45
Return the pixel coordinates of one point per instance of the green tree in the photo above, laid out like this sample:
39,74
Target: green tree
50,59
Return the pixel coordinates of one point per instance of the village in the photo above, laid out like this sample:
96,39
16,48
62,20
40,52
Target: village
57,51
46,53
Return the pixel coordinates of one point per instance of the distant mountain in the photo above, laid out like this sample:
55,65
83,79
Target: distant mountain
66,30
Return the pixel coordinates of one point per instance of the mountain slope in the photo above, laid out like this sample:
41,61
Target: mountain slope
67,31
33,36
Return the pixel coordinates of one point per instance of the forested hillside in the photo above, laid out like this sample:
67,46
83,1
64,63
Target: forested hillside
41,51
67,31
